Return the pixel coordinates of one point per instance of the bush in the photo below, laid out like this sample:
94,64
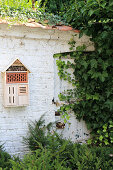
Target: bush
4,159
50,151
94,158
41,159
37,134
53,152
80,158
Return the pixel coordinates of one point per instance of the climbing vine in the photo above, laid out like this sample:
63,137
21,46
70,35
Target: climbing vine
91,99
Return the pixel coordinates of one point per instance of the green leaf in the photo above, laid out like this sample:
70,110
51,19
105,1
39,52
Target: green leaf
67,108
88,96
80,34
85,76
106,142
111,140
85,64
89,141
102,78
65,121
103,4
91,11
96,96
101,138
93,63
106,135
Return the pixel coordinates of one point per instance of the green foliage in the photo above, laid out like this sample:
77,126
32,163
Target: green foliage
4,159
57,153
92,158
16,4
81,157
83,14
22,11
41,136
92,97
104,135
56,6
36,135
40,159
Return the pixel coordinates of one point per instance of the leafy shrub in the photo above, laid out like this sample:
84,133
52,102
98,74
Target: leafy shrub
81,158
37,134
41,159
95,158
51,151
4,159
104,136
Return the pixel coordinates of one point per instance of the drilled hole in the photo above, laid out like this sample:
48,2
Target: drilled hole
57,113
13,99
60,125
9,90
13,90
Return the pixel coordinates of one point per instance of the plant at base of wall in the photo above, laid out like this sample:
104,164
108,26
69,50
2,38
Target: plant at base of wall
104,136
4,159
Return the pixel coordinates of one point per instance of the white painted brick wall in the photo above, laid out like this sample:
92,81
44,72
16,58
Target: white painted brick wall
35,47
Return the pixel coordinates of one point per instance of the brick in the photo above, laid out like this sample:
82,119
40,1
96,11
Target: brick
35,48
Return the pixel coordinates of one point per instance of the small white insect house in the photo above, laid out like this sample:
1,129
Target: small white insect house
16,85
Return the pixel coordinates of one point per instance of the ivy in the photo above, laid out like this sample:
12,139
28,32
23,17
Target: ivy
92,97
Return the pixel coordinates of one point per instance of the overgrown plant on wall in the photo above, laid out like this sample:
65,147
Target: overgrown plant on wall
26,11
92,96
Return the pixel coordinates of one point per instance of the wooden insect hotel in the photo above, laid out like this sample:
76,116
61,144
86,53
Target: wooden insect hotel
16,85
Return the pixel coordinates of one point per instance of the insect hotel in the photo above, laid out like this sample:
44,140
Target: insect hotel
16,84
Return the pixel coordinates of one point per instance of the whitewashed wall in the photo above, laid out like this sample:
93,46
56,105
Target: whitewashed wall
74,129
35,47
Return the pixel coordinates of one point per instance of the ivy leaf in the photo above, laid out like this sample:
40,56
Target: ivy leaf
67,108
106,142
80,34
96,97
57,55
65,121
89,141
67,117
111,141
88,96
93,63
106,135
85,64
85,76
101,138
111,125
102,78
109,104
